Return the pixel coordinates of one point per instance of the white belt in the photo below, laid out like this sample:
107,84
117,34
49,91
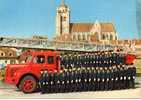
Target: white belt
121,78
51,82
67,81
58,82
71,81
116,78
46,83
89,79
94,79
129,78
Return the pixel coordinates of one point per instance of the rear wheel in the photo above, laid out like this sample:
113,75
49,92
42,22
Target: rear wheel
28,84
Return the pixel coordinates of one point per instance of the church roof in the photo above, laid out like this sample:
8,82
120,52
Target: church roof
87,27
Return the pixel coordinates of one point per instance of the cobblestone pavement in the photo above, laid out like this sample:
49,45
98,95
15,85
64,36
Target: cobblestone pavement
7,91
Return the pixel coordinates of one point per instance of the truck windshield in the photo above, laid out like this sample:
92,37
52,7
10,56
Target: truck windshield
28,59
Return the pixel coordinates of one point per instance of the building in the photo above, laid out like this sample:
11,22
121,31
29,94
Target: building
65,30
7,56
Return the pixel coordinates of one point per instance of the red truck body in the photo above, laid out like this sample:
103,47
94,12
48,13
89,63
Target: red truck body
26,76
46,61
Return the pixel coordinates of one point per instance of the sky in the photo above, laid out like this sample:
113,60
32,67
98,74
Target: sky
24,18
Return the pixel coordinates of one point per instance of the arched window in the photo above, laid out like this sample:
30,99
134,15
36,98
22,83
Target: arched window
103,37
10,54
84,38
97,35
111,37
2,54
115,37
79,37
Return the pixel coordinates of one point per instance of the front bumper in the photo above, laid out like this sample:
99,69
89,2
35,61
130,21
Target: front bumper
11,81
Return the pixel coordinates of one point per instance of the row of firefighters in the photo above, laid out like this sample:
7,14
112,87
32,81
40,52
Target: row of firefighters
88,79
98,59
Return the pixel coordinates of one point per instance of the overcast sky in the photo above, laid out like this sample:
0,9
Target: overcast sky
23,18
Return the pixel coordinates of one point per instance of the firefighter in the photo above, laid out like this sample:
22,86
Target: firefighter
75,80
79,76
60,81
98,78
89,78
56,79
107,78
121,78
42,82
125,72
66,80
93,77
84,79
71,80
102,78
118,77
63,81
133,70
51,81
111,78
129,84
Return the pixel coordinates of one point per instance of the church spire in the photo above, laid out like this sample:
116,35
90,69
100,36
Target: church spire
62,3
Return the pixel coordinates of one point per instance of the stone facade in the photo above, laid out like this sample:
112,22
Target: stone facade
65,30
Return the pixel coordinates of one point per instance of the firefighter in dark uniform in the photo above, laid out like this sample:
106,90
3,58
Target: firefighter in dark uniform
125,72
98,78
129,75
77,73
60,81
133,74
89,77
56,79
79,79
93,77
102,78
84,79
42,82
66,72
121,78
45,79
116,77
107,78
111,78
51,81
71,80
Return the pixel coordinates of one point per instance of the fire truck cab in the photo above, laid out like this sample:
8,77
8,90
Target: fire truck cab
26,76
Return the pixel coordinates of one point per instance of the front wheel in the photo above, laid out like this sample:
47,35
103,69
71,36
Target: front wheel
28,84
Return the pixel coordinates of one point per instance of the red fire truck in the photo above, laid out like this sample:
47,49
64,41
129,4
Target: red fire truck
26,76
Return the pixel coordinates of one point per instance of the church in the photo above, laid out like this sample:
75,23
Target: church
88,32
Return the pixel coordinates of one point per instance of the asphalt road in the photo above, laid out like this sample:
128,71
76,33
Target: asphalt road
7,91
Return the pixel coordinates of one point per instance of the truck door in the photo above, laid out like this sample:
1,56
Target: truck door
51,64
38,63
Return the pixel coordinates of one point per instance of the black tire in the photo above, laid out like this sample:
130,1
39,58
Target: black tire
28,84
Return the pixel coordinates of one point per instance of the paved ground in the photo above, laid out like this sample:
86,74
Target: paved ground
7,91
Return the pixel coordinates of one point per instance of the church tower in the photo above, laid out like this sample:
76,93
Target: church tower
62,19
